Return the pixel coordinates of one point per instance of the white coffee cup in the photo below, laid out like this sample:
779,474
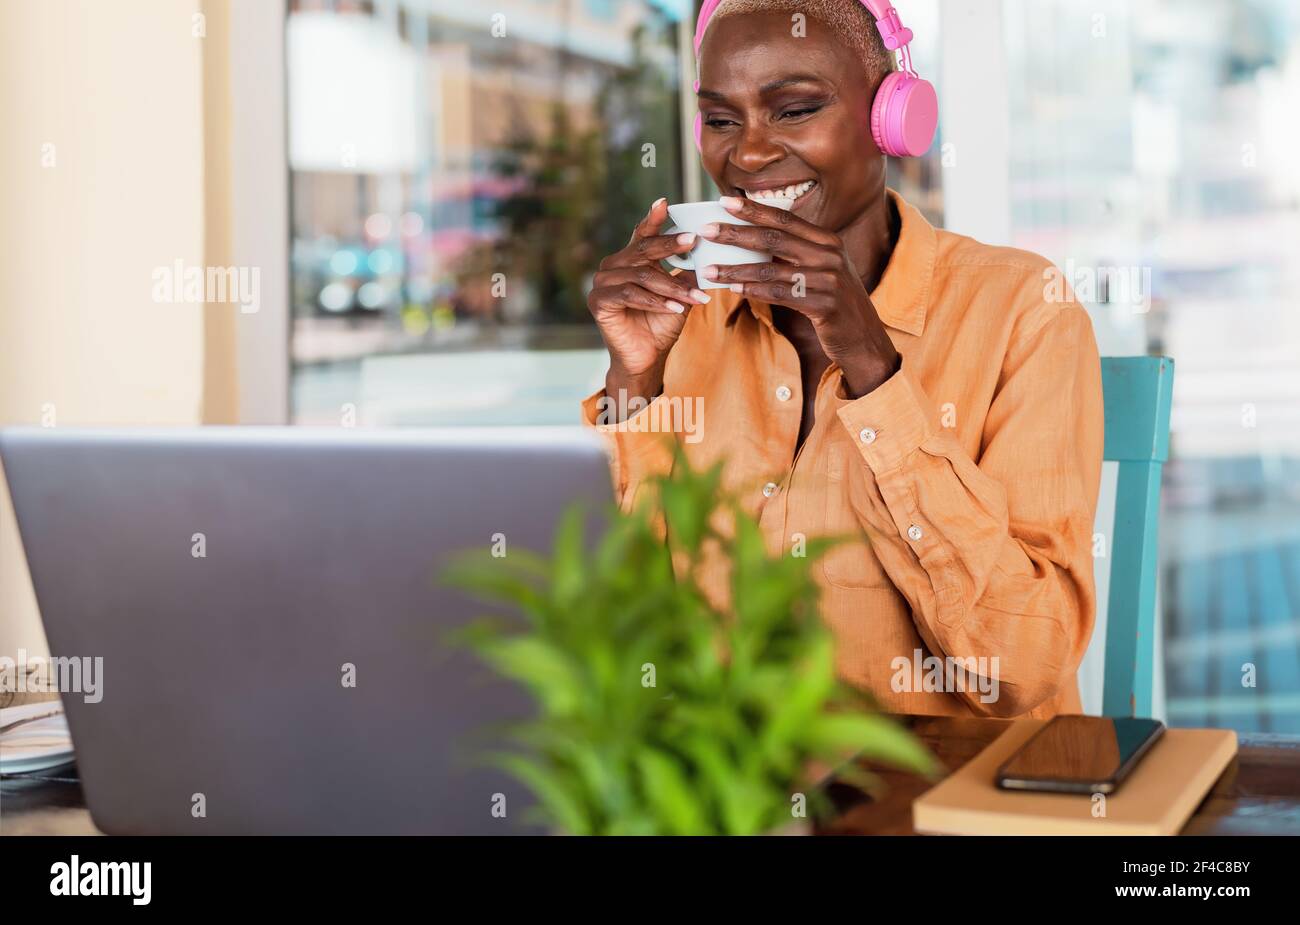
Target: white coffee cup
692,216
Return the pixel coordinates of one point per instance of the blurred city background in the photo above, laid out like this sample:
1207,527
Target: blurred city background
415,153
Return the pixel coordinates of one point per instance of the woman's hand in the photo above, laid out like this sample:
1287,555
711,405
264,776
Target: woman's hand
640,308
813,275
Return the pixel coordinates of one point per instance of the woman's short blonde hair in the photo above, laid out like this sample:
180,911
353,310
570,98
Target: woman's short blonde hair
849,20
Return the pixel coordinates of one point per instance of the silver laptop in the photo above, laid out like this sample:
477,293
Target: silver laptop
273,634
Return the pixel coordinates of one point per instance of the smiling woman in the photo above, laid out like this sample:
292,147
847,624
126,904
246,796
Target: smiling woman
879,378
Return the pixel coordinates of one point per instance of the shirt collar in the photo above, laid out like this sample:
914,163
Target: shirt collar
903,295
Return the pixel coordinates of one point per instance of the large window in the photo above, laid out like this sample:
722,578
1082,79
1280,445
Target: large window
456,174
1153,149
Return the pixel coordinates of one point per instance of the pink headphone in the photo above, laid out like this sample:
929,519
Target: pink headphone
905,112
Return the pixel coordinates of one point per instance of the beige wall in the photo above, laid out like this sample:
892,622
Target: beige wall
117,90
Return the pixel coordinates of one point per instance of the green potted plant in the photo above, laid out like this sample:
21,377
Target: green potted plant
656,712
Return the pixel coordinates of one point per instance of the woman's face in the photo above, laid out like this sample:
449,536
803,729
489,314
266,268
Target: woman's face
780,110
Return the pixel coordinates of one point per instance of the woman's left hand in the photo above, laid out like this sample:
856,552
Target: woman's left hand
812,274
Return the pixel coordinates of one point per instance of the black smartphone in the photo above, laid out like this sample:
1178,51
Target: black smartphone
1080,754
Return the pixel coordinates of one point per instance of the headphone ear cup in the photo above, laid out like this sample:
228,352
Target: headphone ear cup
904,115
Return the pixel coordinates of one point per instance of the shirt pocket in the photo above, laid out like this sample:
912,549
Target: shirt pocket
850,563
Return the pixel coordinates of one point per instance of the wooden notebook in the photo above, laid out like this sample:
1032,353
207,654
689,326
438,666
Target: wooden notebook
1156,799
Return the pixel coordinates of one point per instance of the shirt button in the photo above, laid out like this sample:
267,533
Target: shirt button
867,435
782,393
769,489
914,532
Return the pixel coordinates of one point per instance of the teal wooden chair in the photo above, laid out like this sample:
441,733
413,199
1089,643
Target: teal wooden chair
1137,394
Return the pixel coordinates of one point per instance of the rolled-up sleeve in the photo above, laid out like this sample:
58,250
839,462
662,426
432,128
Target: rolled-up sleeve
638,448
994,553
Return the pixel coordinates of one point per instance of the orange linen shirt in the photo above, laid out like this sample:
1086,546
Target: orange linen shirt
970,477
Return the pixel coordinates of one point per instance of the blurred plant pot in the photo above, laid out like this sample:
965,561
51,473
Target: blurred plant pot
794,827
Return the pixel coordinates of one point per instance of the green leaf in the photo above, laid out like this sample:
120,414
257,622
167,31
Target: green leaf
670,793
547,671
684,516
598,767
871,736
558,803
499,580
569,559
808,694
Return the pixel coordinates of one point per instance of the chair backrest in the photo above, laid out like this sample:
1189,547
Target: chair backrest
1138,392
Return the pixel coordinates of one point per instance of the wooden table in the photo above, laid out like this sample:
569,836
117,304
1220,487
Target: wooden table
1258,793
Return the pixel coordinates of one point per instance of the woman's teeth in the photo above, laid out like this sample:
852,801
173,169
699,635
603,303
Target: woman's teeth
793,191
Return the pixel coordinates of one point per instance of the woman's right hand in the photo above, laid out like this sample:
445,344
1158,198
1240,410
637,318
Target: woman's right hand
640,308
